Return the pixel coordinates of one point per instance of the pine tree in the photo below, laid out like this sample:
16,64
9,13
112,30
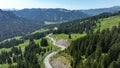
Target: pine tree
44,42
9,61
69,36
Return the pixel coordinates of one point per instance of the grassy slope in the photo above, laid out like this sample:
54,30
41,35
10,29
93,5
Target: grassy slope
48,23
109,22
6,65
65,36
17,38
39,31
22,45
105,23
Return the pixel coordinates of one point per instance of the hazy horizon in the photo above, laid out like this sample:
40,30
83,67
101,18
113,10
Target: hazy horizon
68,4
55,8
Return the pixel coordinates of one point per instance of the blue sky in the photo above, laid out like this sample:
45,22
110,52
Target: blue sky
68,4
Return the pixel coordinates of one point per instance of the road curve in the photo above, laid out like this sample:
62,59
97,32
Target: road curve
47,58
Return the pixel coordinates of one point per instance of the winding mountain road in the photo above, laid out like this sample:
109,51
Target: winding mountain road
47,58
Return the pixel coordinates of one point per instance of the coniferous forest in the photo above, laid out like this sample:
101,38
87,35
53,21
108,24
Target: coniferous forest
97,50
27,59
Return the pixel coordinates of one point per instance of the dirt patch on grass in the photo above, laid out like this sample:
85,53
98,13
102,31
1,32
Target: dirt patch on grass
62,42
60,62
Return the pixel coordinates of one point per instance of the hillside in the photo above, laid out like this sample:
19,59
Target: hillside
90,24
100,47
96,49
12,25
50,15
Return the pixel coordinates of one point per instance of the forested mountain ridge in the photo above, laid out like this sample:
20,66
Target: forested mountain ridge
61,15
90,24
12,25
50,15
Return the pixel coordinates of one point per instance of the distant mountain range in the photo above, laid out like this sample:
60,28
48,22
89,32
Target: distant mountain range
101,10
50,15
60,15
12,25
